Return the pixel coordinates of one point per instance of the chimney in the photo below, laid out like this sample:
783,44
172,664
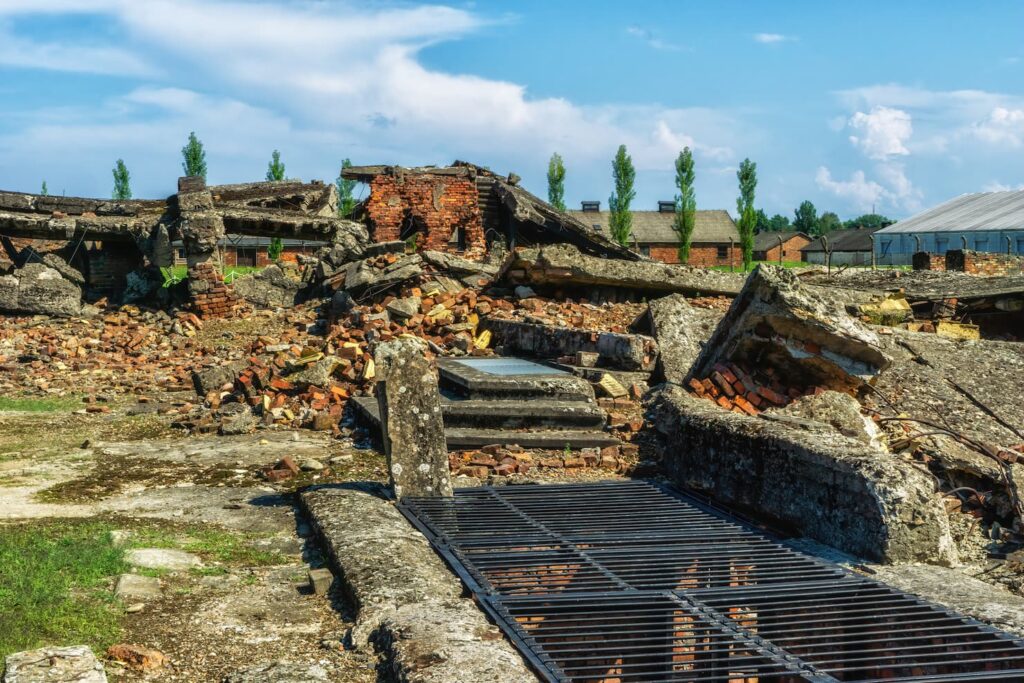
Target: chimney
667,207
591,207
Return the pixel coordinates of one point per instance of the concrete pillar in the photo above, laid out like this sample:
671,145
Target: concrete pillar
410,413
202,229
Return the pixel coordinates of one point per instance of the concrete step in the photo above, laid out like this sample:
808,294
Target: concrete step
553,439
510,378
472,437
514,414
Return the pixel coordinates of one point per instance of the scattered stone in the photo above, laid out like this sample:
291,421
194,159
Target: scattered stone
162,558
311,465
136,586
236,418
137,657
524,292
279,672
271,287
75,664
320,580
214,379
37,288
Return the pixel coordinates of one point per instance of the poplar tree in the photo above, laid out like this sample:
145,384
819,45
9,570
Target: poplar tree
686,203
620,220
556,182
747,176
45,192
122,181
346,189
275,169
194,157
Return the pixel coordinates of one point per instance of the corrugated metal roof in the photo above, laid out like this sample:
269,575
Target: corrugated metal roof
978,211
655,227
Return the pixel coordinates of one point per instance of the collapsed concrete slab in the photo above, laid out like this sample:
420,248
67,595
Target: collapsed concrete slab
615,350
681,331
407,600
76,664
39,289
776,321
807,477
565,268
413,427
271,287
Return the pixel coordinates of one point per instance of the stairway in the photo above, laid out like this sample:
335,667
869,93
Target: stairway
510,401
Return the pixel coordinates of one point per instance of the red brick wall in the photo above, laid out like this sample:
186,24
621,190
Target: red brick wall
210,296
922,260
704,255
790,250
984,263
439,204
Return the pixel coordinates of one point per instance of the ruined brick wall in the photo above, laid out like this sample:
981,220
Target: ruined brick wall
210,296
984,263
109,264
435,205
923,260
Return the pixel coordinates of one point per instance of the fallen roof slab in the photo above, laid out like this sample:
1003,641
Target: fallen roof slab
564,265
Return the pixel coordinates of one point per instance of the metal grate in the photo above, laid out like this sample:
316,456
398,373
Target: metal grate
630,581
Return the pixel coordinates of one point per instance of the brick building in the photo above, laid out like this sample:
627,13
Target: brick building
715,241
239,250
776,246
466,209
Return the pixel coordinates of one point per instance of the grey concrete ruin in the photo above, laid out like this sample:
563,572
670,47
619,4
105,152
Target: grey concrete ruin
413,425
563,267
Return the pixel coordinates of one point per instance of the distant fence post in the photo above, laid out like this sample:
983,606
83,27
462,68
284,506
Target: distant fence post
732,256
828,255
781,262
874,260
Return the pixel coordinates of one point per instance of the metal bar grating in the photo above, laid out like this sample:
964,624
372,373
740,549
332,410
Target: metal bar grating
619,582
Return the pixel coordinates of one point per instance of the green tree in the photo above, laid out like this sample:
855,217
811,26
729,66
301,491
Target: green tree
805,218
275,169
620,219
686,203
827,222
869,220
556,182
761,222
194,157
346,189
778,223
122,181
747,177
44,191
275,248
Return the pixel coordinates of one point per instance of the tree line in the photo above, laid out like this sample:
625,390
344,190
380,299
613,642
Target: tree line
193,163
750,221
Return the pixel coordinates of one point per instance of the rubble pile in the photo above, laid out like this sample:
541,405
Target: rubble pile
739,388
509,460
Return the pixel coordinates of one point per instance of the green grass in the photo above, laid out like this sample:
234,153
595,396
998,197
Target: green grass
54,585
39,405
785,264
176,273
217,545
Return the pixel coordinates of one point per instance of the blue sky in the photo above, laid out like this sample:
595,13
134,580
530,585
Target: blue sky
851,105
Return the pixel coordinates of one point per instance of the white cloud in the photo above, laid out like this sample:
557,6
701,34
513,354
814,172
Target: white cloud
772,38
1003,126
996,186
347,81
74,58
858,190
882,132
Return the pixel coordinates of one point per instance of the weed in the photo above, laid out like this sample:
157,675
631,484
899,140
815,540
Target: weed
217,545
38,405
53,585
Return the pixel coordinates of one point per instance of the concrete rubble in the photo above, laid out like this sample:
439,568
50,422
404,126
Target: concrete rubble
75,664
408,602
